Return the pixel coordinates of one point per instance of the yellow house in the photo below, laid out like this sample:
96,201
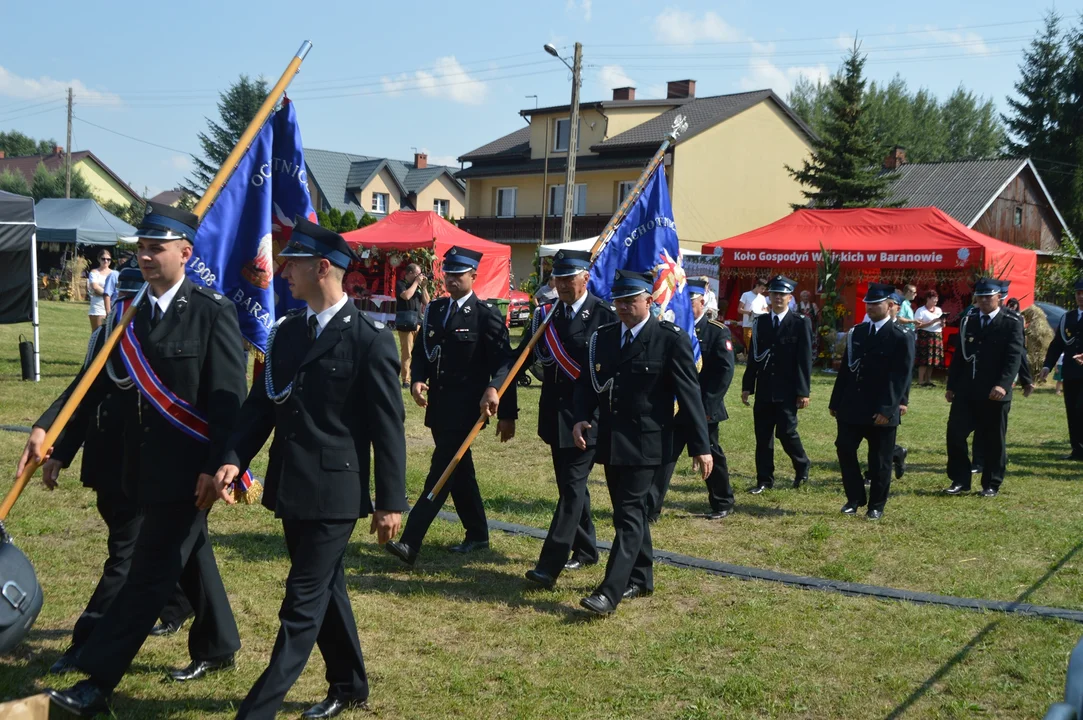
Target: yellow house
379,186
726,173
104,183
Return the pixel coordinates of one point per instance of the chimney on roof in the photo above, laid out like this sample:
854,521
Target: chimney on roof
896,158
421,160
676,89
58,150
624,93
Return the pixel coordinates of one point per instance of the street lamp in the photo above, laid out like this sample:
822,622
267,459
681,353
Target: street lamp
573,137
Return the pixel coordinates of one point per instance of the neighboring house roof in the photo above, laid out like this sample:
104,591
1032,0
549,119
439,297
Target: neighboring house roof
169,197
963,189
557,166
27,164
337,174
701,114
511,145
606,104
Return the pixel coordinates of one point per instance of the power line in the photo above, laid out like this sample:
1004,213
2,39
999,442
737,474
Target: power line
130,137
19,107
17,116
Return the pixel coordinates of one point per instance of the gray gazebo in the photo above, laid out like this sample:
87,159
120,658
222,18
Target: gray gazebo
19,266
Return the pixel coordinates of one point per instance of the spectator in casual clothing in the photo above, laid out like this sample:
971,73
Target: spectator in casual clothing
753,304
100,302
930,326
905,318
411,297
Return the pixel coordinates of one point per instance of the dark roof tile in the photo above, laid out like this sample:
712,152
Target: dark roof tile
961,189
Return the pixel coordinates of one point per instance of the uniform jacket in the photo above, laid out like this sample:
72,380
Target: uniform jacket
1026,377
196,351
784,371
635,416
875,377
470,354
1067,339
346,400
98,430
995,355
716,370
556,409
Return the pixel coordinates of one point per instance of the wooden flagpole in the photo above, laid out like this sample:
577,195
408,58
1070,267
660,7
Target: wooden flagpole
680,125
204,204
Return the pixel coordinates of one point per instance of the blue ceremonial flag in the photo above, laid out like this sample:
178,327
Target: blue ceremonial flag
646,241
240,236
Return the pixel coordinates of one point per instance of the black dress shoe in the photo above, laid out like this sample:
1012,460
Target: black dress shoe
198,668
598,604
402,551
634,591
759,489
64,664
169,628
900,463
849,509
717,514
469,546
83,699
538,577
956,490
652,519
798,480
1072,456
574,564
333,707
875,514
988,492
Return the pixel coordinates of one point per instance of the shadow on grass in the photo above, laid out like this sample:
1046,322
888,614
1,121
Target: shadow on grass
253,546
457,581
960,656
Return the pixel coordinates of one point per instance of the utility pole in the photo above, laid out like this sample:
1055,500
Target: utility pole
67,160
573,146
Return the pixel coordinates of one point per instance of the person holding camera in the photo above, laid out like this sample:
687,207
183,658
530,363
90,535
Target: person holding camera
411,297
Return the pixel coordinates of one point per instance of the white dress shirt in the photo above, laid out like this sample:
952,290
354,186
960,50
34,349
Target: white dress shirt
635,330
324,317
458,305
166,299
576,306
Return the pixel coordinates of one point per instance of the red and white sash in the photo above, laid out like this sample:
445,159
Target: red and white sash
179,412
556,348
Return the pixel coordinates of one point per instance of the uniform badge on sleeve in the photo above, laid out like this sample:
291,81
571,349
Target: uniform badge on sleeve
729,346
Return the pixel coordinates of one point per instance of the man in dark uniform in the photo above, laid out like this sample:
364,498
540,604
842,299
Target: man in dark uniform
898,455
100,432
988,351
778,374
188,337
329,391
461,356
635,369
866,400
1066,341
715,375
570,543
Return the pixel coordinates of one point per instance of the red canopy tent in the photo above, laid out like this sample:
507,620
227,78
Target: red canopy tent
920,245
407,230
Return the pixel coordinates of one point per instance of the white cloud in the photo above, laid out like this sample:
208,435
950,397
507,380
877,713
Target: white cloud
613,76
764,74
450,160
970,42
447,80
12,85
681,27
583,6
180,162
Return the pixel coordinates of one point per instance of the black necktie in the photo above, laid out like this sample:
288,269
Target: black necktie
568,312
984,321
155,314
451,311
313,324
627,338
777,322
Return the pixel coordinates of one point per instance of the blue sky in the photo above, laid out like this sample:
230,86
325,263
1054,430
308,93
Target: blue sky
385,78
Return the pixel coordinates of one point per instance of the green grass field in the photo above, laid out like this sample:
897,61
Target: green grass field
468,638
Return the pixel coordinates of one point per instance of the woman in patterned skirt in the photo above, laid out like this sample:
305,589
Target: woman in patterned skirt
930,350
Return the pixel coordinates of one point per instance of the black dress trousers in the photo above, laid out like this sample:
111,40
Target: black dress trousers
315,611
988,421
881,439
632,555
172,546
771,420
1073,406
719,490
571,532
462,486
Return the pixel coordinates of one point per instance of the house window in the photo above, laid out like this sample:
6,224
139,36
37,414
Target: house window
380,202
505,202
624,189
560,136
556,200
441,207
1018,217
